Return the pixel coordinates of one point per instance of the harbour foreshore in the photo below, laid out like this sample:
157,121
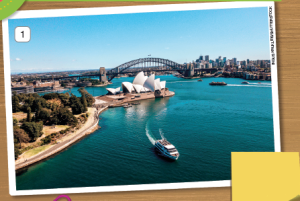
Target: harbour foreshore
89,127
126,98
101,104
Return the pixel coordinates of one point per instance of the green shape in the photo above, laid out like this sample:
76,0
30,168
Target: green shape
8,7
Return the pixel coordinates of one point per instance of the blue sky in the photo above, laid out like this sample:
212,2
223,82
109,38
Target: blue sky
90,42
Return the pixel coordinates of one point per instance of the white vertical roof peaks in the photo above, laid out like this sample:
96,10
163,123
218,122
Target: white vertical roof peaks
157,84
139,79
128,86
142,83
149,83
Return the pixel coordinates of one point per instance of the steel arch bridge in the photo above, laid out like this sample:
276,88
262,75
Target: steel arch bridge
145,63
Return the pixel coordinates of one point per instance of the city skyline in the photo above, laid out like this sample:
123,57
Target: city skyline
57,43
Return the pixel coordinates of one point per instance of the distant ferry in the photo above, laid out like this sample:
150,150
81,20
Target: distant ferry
245,82
167,149
217,83
200,80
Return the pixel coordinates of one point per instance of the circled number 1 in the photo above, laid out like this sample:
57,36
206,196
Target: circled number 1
22,34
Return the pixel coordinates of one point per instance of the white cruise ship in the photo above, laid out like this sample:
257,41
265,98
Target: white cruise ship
167,149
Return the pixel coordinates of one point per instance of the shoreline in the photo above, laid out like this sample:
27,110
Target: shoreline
63,144
86,129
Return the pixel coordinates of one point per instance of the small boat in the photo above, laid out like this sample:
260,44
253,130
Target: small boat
200,80
127,105
217,83
245,82
167,149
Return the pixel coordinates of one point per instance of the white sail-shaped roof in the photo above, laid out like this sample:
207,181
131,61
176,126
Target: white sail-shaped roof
138,88
139,79
146,89
127,86
157,84
149,83
163,84
113,91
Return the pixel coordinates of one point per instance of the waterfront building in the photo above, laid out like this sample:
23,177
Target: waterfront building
22,89
45,86
112,91
141,84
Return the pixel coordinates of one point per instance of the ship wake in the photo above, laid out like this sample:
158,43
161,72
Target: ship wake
149,135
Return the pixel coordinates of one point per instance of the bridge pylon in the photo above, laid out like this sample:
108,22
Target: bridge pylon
102,77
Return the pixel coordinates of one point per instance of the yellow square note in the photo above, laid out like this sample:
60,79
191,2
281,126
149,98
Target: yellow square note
264,176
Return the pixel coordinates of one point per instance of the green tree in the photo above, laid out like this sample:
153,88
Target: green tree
34,129
64,98
37,109
89,98
29,114
84,103
15,121
15,103
44,116
29,101
20,135
17,151
63,116
77,107
50,96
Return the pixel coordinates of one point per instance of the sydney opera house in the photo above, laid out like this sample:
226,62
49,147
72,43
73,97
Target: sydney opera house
140,84
141,88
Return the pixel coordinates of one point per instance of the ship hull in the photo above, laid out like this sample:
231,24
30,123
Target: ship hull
165,153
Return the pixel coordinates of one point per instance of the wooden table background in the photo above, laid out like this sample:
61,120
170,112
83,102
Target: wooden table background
288,52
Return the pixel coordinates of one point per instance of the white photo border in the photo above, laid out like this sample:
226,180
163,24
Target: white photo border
123,10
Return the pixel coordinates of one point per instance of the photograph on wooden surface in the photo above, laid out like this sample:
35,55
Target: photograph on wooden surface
139,97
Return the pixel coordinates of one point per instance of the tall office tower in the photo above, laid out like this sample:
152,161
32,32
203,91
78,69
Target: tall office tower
234,61
248,61
207,58
224,59
201,58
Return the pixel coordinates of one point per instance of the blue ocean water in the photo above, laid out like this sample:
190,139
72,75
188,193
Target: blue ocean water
205,123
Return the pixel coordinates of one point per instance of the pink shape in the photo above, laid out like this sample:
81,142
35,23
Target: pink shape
61,196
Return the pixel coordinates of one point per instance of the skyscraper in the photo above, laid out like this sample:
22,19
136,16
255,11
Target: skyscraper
234,61
201,58
224,59
207,58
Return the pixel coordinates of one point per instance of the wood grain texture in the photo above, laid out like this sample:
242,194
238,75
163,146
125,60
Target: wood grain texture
288,50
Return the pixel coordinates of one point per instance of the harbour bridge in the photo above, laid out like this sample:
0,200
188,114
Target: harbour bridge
148,64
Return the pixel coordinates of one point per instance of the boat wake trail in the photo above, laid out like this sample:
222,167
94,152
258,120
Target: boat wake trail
161,134
149,135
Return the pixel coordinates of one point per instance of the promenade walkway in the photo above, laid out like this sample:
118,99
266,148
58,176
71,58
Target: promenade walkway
62,145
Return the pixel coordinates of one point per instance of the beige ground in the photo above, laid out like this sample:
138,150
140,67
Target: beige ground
47,130
19,115
39,150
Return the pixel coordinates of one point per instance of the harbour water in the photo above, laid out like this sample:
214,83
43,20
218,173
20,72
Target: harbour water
205,123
